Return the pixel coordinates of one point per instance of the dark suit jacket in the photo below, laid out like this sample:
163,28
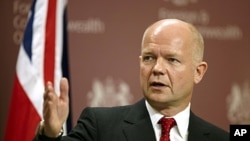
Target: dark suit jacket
132,123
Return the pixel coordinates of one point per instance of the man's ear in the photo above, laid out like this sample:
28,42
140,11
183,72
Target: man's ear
201,69
140,59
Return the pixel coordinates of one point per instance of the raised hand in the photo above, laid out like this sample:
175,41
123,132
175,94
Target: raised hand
55,108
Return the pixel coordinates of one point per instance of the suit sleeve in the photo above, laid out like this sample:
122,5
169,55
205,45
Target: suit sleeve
85,129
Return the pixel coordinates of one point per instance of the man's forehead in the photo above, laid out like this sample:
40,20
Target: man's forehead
160,50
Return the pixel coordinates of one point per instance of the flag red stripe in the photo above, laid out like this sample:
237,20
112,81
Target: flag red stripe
24,120
49,52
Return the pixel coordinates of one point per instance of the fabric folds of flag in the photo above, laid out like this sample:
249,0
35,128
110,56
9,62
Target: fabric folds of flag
42,57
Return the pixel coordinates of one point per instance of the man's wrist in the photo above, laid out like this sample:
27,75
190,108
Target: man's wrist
41,130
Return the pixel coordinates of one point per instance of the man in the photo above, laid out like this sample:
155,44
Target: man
171,63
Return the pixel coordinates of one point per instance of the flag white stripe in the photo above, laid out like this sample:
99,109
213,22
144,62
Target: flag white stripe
59,43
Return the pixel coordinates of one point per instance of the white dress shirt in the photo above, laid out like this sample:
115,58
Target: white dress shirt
177,133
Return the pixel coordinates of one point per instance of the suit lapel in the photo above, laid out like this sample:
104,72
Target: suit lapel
197,129
137,124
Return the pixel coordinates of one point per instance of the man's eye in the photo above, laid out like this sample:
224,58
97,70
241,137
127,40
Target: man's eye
147,58
172,60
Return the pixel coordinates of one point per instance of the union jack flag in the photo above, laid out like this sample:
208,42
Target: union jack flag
42,57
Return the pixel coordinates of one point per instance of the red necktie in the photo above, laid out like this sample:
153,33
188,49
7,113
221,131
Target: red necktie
166,125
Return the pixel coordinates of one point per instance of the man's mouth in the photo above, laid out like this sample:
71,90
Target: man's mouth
157,84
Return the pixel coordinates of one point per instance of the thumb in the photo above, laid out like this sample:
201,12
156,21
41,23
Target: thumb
64,89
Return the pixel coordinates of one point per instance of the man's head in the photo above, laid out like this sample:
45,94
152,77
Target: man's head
171,63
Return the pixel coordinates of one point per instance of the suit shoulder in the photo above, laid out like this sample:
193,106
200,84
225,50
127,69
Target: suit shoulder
114,112
105,113
199,125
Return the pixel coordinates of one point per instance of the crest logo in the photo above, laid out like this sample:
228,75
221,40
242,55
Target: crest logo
238,103
109,93
181,2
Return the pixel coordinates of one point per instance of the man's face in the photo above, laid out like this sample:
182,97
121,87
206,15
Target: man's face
167,69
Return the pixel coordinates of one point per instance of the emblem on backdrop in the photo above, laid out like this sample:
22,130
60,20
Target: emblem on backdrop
109,92
181,2
238,103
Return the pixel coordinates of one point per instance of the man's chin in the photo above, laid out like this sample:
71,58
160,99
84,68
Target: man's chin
158,104
158,99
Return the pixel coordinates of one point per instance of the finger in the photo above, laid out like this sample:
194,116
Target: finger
45,112
47,85
64,89
50,99
50,106
48,88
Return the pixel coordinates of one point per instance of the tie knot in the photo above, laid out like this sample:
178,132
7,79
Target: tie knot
166,124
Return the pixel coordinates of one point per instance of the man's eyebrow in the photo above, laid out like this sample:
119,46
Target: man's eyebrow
147,53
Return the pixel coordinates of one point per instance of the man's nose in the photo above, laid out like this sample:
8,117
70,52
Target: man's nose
159,68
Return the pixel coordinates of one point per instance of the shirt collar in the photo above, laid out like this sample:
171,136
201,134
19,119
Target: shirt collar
182,118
